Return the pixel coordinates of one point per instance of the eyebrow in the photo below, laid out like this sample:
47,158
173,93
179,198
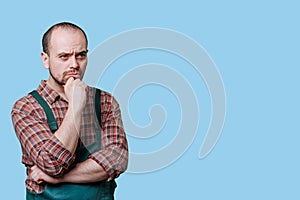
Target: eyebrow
76,53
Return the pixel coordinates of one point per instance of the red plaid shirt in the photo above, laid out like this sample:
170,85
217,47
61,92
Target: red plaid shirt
41,147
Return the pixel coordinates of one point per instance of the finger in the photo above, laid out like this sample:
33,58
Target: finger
37,177
78,82
34,168
69,81
39,181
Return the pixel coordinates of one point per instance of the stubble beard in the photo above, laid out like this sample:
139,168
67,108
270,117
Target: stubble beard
59,82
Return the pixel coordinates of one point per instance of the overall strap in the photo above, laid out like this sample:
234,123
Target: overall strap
50,117
98,106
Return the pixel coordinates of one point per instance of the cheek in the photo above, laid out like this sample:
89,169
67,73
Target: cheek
83,66
56,68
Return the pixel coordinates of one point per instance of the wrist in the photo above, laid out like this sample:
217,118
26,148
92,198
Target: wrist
59,179
75,111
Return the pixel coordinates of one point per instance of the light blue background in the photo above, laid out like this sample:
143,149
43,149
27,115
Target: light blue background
255,45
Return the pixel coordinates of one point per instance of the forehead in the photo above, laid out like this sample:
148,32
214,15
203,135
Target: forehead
67,40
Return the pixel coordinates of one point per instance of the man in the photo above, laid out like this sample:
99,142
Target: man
81,157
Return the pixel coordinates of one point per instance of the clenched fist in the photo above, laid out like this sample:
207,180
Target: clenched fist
75,91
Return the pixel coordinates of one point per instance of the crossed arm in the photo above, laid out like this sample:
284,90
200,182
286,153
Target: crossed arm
84,172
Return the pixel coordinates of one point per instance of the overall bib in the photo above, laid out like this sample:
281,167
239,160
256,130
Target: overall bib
102,190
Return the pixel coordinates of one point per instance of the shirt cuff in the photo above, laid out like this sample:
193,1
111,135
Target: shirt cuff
110,164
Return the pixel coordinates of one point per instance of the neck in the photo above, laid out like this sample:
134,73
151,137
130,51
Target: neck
57,87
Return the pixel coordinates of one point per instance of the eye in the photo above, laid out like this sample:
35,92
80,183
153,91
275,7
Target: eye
63,56
81,55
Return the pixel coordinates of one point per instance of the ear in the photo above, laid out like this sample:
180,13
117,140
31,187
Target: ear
45,60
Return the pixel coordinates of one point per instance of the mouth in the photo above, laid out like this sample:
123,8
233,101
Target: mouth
73,75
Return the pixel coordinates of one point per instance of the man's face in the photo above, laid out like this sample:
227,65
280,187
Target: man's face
67,56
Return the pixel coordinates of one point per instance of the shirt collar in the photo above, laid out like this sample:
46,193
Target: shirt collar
47,92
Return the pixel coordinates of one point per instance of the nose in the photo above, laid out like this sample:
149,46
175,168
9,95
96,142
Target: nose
74,62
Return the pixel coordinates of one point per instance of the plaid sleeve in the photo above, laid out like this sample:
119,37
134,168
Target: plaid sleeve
37,141
113,156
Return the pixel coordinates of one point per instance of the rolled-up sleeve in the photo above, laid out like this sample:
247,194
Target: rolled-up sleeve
40,145
113,155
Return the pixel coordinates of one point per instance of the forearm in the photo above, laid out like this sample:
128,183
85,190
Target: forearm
68,132
67,138
85,172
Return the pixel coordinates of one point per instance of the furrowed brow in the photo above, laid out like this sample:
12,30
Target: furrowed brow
64,53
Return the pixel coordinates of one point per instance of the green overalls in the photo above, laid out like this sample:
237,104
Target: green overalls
102,190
